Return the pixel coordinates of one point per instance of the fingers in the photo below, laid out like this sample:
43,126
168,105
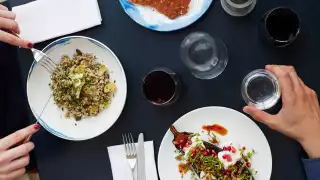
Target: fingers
13,40
286,82
2,7
9,24
7,14
294,76
14,174
16,164
17,137
298,84
16,152
259,115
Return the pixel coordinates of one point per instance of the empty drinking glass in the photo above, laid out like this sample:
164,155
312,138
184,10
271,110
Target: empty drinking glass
206,57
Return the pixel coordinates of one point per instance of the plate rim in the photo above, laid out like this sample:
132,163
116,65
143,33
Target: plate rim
151,27
41,121
210,107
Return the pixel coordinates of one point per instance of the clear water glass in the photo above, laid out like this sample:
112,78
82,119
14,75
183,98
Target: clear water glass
261,89
206,57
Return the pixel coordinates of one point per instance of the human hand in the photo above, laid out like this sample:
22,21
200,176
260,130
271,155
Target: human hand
14,159
299,117
7,21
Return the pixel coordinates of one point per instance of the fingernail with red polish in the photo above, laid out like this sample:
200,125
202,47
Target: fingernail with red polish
30,45
36,126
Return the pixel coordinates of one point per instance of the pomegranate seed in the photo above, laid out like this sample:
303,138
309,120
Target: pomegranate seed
248,164
208,150
224,156
175,143
229,158
224,148
205,153
233,150
229,148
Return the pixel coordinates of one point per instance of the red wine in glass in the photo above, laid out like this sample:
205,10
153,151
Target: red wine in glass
161,86
280,26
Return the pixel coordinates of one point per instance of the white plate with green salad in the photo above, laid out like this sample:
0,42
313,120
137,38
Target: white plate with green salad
84,95
214,143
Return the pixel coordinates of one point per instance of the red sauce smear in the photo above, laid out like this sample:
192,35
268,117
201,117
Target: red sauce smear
171,8
216,128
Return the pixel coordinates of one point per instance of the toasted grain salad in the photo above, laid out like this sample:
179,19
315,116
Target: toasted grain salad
81,86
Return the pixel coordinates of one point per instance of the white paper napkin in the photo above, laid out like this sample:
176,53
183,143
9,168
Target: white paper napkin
120,167
42,20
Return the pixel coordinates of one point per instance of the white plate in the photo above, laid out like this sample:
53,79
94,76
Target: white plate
241,130
152,19
53,118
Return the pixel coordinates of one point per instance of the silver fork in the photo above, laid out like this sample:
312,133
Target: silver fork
131,152
43,59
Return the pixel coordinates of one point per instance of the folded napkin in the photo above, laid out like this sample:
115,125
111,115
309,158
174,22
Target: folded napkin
120,167
42,20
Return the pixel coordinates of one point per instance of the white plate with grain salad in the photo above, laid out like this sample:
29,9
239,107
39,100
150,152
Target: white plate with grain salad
223,144
86,93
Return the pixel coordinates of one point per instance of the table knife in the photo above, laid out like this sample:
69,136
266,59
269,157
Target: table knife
141,159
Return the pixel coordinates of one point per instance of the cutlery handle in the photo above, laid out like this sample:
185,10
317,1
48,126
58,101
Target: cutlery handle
133,174
174,131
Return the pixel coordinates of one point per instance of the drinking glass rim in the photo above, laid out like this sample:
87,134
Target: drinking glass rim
266,16
210,38
244,5
249,77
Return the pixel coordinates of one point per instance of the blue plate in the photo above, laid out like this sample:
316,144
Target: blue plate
151,19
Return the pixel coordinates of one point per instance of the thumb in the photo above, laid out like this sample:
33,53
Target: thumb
258,115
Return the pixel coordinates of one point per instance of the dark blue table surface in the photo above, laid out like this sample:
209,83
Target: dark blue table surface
141,50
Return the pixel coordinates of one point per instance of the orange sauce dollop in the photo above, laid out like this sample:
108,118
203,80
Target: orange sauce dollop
182,168
216,128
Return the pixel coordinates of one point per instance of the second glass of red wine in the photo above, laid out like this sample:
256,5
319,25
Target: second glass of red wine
161,86
280,26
